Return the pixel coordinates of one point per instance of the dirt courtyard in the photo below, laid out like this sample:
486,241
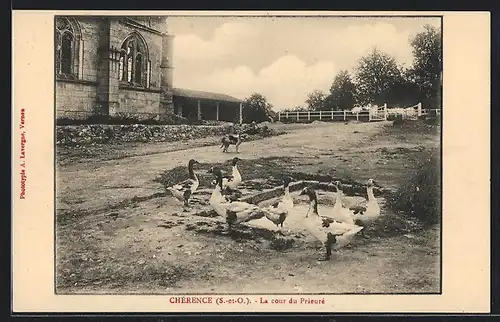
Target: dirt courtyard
116,232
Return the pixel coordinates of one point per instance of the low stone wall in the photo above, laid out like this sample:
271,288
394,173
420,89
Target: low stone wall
72,135
85,135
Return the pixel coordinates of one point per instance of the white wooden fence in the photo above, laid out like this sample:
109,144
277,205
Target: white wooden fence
375,113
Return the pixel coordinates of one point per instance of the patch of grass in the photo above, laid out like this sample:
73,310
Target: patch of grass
393,224
259,174
281,244
416,126
420,197
433,121
270,168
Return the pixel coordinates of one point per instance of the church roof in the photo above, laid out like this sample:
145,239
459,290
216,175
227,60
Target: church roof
183,92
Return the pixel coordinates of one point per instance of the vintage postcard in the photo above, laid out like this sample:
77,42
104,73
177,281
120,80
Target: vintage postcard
251,161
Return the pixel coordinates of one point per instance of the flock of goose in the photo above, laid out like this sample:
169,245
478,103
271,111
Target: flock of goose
334,231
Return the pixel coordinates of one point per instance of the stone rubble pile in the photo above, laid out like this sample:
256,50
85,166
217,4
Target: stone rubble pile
85,135
98,133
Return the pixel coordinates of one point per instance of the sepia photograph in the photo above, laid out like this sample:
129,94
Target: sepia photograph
247,154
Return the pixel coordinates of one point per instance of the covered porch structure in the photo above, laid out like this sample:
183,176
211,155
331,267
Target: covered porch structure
207,106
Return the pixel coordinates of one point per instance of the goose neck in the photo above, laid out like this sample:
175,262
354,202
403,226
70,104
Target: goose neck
192,175
216,194
313,207
338,199
369,191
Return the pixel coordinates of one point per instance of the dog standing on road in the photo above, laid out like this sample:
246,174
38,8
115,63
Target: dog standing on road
232,139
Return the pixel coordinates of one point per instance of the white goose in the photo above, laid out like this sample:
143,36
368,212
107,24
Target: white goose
367,214
278,212
340,212
333,234
232,181
235,212
185,189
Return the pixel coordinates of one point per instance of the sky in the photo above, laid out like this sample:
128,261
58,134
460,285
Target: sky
283,58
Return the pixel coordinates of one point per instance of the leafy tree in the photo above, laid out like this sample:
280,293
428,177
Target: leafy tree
316,100
256,108
404,92
376,75
342,92
426,69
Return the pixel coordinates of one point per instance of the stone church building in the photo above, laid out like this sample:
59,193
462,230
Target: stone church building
123,66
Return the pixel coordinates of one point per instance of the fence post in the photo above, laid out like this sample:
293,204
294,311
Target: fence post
332,114
308,115
298,116
419,109
286,115
279,116
357,116
385,111
345,115
320,115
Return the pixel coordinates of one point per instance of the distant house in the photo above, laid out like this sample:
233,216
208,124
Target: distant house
115,65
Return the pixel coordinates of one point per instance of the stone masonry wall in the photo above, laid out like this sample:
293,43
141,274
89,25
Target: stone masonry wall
90,35
76,99
143,102
82,135
154,43
140,102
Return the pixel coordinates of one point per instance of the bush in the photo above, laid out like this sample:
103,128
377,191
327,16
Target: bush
420,197
397,119
293,120
435,120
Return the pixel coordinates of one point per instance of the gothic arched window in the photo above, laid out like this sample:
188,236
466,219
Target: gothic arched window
134,61
138,68
67,43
